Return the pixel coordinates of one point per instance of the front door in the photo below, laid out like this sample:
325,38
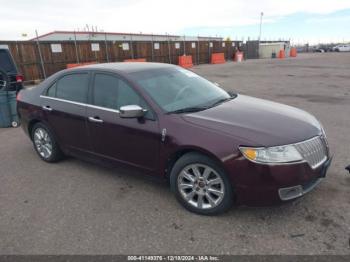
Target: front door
131,141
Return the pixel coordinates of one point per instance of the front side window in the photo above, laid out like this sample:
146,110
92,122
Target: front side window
51,91
112,92
105,92
72,87
127,96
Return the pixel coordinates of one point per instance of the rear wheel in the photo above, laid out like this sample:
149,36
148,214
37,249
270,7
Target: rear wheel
14,124
201,185
45,144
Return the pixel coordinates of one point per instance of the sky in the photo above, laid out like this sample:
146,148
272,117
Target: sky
301,21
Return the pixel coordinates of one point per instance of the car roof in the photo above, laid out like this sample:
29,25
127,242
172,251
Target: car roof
126,67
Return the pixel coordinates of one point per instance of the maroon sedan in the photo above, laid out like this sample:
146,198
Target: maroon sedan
216,148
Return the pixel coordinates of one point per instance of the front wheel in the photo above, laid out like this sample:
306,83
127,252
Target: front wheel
201,185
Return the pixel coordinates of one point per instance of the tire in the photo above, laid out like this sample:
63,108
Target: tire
42,137
199,188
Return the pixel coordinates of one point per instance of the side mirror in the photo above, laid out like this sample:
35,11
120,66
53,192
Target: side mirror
132,111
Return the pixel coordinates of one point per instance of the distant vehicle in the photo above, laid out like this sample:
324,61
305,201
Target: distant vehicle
319,50
342,48
322,49
10,78
215,147
326,48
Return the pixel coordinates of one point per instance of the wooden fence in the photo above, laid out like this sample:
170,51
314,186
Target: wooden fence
56,55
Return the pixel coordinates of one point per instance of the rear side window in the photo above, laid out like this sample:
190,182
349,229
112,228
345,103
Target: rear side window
6,63
72,87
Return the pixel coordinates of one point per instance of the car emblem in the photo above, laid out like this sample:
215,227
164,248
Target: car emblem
163,134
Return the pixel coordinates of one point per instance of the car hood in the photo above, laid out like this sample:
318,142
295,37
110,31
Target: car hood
258,122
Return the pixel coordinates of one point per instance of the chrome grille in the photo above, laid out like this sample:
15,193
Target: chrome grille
314,151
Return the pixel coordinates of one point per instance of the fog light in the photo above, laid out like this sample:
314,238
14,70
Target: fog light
289,193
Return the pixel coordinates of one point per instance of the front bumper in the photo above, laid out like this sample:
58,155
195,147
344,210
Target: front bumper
289,193
265,185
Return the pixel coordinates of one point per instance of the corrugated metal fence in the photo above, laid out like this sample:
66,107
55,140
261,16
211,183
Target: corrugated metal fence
56,55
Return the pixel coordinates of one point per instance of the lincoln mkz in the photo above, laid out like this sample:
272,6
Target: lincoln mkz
215,148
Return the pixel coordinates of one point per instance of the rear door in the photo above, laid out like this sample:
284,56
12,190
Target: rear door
127,140
64,106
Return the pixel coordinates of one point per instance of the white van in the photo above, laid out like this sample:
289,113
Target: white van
341,48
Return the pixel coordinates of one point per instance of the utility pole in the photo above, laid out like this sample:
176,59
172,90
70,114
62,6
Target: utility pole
261,17
184,41
76,47
106,45
169,51
40,55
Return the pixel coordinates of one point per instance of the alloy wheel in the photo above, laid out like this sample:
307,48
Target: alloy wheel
43,143
201,186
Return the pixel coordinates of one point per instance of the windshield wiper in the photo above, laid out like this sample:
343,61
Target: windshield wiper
188,110
223,100
201,108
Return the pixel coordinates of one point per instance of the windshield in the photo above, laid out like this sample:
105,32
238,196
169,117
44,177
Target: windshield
176,89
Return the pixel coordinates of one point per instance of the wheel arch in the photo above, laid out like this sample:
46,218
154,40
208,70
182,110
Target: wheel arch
174,156
34,121
31,124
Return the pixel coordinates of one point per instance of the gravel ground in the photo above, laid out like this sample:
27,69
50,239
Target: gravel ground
75,207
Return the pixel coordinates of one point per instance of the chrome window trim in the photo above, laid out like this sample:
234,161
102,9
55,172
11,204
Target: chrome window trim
81,104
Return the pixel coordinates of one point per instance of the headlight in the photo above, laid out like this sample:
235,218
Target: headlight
277,154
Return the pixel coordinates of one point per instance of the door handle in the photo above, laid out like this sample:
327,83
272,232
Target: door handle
47,108
95,119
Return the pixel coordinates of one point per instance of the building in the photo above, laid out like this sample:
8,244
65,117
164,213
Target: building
108,36
271,49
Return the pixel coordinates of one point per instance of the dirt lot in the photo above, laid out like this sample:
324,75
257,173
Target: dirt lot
78,208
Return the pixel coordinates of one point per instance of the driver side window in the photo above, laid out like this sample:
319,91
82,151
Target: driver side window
105,91
112,92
